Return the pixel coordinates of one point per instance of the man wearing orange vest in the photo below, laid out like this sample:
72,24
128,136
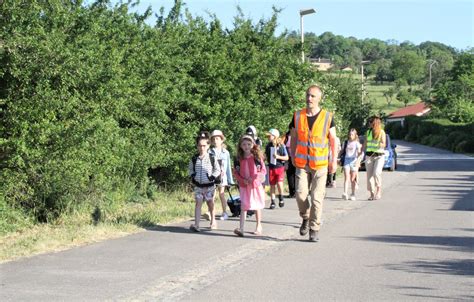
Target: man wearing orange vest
313,131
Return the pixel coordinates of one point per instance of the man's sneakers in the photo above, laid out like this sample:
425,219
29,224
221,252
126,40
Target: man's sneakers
313,236
304,228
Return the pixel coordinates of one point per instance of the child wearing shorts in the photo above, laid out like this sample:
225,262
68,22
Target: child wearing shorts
276,155
351,155
203,172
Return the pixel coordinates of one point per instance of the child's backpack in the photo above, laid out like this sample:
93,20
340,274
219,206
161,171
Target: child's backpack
256,160
258,163
216,180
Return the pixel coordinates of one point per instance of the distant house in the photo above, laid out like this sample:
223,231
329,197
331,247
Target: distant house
321,64
347,69
419,109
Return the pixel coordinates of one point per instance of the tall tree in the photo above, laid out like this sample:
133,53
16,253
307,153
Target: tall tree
454,96
409,66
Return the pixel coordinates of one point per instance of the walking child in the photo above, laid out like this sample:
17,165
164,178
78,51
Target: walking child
203,169
351,156
223,158
249,171
331,179
276,155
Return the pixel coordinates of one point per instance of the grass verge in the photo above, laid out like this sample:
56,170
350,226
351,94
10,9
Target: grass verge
84,227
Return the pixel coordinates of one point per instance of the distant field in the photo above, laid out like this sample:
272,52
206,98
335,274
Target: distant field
375,94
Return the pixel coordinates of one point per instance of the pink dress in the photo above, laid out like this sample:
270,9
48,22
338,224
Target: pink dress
252,196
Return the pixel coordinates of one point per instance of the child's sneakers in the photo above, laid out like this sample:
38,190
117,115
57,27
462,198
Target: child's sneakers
281,202
224,216
344,196
194,228
239,232
353,198
272,205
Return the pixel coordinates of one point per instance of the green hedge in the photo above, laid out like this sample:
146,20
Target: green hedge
92,98
441,133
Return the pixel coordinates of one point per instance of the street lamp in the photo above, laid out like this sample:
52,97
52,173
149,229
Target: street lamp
362,76
304,12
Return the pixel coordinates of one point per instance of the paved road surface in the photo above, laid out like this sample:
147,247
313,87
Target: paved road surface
415,244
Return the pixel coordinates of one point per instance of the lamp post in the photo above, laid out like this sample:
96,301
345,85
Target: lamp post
304,12
362,77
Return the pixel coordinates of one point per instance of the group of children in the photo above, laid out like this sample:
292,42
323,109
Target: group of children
211,172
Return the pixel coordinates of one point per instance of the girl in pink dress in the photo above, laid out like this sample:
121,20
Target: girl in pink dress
250,172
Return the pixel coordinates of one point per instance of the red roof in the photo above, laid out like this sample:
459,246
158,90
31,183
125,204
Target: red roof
417,109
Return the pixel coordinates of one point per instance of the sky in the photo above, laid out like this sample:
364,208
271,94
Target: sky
447,21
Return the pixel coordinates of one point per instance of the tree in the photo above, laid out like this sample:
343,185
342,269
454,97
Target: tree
406,97
344,95
383,70
93,100
408,65
454,96
444,63
388,94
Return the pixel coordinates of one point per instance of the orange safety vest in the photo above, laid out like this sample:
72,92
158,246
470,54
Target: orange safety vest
312,146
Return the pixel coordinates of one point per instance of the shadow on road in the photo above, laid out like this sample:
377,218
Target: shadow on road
428,293
463,267
451,243
462,192
205,231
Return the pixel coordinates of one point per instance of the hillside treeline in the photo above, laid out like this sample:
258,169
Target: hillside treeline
93,99
404,62
435,73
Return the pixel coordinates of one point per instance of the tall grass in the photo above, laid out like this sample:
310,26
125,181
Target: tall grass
99,219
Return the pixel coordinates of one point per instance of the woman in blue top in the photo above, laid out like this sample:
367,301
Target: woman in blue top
223,158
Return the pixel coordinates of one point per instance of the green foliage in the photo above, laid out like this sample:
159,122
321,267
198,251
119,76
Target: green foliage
12,219
441,133
405,97
409,66
389,93
454,97
345,96
396,130
95,101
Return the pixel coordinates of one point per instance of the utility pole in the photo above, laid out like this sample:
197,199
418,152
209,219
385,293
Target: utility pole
429,82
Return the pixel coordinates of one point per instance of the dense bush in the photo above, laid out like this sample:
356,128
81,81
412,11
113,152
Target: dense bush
93,99
441,133
454,96
396,130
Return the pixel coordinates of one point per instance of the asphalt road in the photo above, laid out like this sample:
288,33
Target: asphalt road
415,244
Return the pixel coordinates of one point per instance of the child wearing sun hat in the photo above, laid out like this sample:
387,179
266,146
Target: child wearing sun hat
222,156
